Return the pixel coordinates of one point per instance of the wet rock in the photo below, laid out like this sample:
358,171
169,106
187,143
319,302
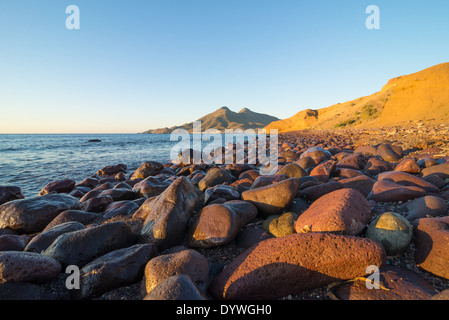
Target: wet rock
177,287
344,211
10,193
32,267
393,231
432,245
187,262
43,240
168,216
277,267
274,198
33,214
115,269
59,186
90,195
147,169
77,247
89,182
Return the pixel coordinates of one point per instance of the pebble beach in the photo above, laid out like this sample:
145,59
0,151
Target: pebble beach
341,201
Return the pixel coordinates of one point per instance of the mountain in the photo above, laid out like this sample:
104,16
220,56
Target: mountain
224,118
421,96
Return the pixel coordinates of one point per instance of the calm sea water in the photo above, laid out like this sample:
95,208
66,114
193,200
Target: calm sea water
30,161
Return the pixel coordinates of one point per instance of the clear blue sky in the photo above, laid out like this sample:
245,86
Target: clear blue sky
136,65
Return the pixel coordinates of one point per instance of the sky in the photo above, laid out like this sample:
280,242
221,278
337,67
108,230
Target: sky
136,65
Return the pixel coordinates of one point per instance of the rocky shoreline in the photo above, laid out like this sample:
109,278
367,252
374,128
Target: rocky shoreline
342,200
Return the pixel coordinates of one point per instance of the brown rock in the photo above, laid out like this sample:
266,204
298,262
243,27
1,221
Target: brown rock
356,162
60,186
266,180
432,245
278,267
214,226
178,287
18,266
9,193
292,170
344,211
406,179
362,183
167,220
324,171
374,166
111,171
12,242
274,198
147,169
441,170
315,192
82,217
408,165
398,284
188,262
386,191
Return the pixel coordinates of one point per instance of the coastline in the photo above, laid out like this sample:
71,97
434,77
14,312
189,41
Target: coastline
313,165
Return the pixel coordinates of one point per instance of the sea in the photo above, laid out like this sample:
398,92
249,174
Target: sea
30,161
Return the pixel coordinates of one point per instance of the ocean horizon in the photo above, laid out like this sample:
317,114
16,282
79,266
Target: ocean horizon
30,161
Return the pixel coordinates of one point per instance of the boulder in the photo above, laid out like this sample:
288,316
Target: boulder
432,245
374,166
82,217
424,207
214,226
315,192
120,208
386,191
406,179
115,269
167,220
12,242
146,170
324,171
281,226
274,198
408,165
361,183
277,267
292,170
399,284
33,214
82,246
111,171
59,186
177,287
32,267
393,231
43,240
344,211
214,177
9,193
188,262
441,170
